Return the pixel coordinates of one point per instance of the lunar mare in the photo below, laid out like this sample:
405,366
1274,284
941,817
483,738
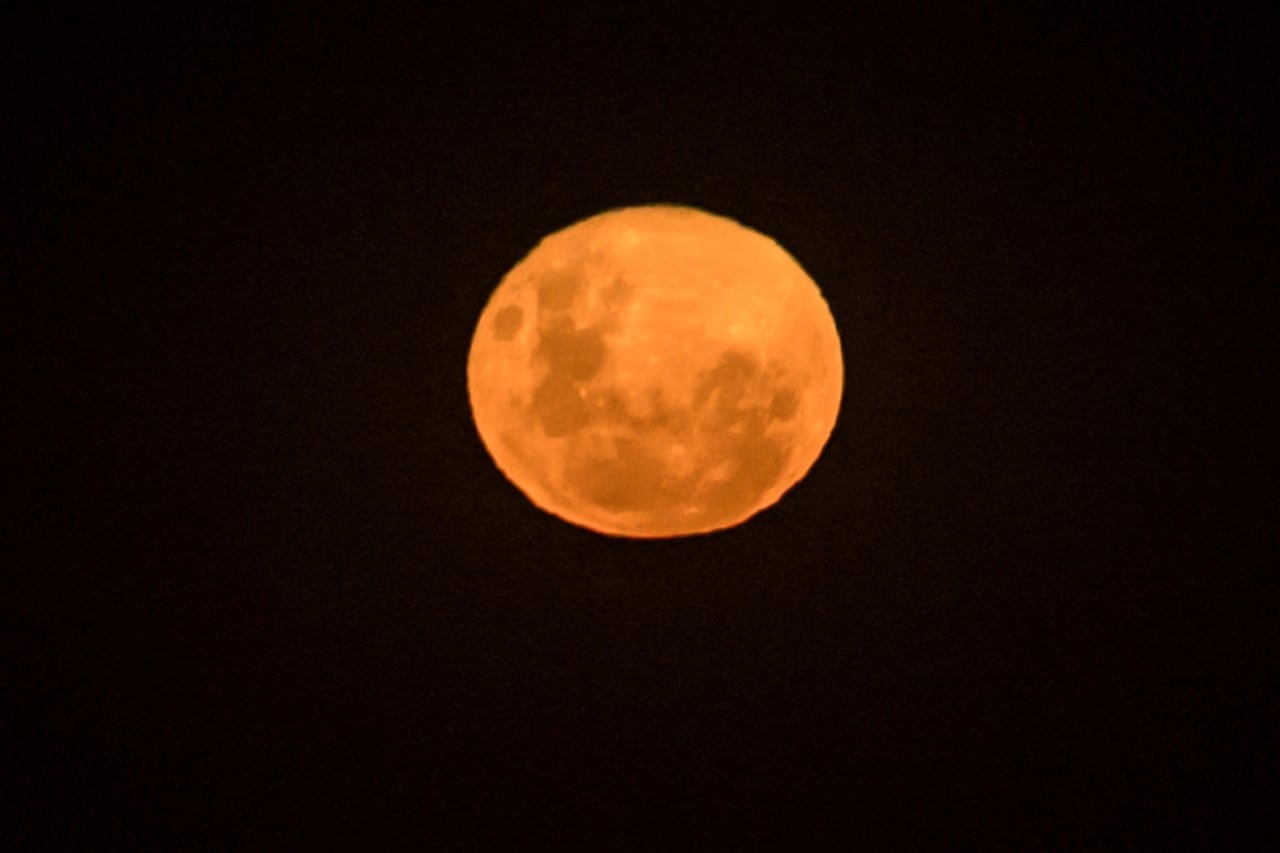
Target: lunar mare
655,371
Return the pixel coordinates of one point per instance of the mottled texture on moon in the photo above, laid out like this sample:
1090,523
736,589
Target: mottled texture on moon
655,371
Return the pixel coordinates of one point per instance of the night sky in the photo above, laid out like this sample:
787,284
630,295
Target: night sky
266,589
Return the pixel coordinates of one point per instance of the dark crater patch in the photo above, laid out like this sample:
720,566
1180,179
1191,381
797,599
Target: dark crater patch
757,463
507,322
558,406
785,404
576,353
729,381
631,480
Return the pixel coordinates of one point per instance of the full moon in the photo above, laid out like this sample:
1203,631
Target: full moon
655,371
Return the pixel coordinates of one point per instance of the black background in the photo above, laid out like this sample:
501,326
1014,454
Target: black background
269,591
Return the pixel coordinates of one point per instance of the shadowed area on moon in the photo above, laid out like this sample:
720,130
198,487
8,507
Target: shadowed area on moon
507,322
632,450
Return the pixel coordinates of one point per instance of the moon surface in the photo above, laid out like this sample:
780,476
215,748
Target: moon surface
655,371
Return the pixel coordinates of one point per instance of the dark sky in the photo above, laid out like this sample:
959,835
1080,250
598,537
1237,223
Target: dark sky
269,591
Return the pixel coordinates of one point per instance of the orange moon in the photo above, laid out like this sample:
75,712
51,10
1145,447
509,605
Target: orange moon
655,371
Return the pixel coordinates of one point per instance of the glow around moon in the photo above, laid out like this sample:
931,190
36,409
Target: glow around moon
655,371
